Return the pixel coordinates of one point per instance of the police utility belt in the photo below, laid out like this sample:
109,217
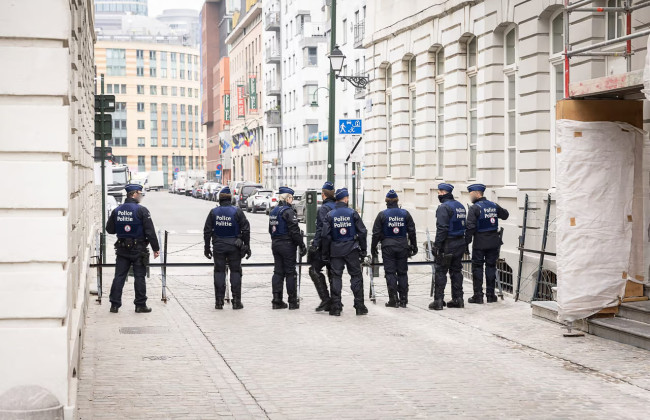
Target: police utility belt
130,243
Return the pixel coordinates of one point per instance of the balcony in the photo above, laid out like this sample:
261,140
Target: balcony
274,118
273,54
359,32
312,33
273,89
272,21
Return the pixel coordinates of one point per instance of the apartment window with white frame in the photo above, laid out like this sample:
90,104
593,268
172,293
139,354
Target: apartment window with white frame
389,118
440,102
615,20
556,60
412,65
510,82
472,104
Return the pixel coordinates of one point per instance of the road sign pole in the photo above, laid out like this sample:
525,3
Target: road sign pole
103,168
331,132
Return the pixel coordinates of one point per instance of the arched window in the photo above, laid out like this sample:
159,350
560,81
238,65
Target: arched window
510,83
472,104
556,60
389,118
412,110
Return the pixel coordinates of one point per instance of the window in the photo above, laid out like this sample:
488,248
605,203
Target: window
140,124
182,91
556,62
123,89
308,94
140,141
153,90
152,72
139,71
109,88
389,118
140,89
174,91
345,31
412,64
152,55
141,167
164,142
154,141
163,90
440,109
510,82
115,62
140,106
154,163
615,20
557,33
472,106
311,58
174,142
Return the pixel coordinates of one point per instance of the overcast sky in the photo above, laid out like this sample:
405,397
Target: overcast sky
157,6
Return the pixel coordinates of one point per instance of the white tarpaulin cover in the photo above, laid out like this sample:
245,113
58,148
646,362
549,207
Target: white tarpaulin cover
595,190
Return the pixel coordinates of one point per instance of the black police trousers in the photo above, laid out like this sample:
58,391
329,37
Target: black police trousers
455,267
123,261
395,260
351,261
229,255
489,257
284,258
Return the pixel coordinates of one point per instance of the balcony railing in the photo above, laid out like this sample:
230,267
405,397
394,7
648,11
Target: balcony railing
273,118
359,32
272,54
272,21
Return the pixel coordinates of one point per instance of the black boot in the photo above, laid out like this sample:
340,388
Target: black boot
438,298
358,303
456,303
321,289
219,304
277,301
492,298
236,302
403,300
114,309
335,309
478,299
293,302
392,300
142,309
437,304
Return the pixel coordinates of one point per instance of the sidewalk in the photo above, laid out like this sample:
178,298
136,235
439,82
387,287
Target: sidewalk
487,361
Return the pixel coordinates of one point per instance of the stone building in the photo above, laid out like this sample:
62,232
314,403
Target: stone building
46,214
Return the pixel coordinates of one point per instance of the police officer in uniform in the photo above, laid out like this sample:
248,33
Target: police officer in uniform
391,228
230,232
315,254
483,228
344,244
286,238
134,228
448,248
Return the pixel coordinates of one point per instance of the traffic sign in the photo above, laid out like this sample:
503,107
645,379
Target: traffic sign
217,173
175,169
350,126
219,167
104,103
103,126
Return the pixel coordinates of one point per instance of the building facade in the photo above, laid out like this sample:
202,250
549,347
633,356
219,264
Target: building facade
246,97
465,92
216,24
156,126
46,139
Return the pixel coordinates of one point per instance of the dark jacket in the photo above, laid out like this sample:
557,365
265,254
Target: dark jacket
147,225
378,231
320,218
443,217
293,229
244,228
339,249
483,240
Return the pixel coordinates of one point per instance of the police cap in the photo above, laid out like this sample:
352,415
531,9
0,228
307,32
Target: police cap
446,187
476,187
133,187
341,193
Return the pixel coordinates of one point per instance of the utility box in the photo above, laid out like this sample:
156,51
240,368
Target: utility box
311,213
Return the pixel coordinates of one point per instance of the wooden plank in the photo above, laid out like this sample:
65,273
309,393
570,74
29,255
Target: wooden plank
636,299
608,311
589,110
617,84
633,289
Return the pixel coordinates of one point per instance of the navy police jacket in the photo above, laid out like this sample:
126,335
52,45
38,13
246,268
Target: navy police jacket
343,232
393,227
450,222
133,221
483,224
328,205
226,224
283,225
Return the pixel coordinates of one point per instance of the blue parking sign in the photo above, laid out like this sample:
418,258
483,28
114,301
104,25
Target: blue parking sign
350,126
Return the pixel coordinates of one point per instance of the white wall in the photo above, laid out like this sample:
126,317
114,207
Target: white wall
46,223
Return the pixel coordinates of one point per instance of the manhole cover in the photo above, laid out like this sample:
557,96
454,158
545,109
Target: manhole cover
143,330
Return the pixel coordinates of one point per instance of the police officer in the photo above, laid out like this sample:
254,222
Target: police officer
391,229
230,232
285,238
448,248
315,254
344,244
483,227
134,228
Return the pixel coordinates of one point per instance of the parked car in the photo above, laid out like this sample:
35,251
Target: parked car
301,204
208,189
244,191
258,200
235,186
197,190
271,202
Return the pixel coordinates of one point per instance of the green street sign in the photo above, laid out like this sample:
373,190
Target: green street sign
103,126
105,103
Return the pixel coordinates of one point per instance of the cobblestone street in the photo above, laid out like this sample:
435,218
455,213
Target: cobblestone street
191,361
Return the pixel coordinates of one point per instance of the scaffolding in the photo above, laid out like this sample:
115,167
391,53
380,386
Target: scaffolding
595,50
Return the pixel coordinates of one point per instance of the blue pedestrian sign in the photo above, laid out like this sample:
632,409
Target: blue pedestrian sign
217,173
350,127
